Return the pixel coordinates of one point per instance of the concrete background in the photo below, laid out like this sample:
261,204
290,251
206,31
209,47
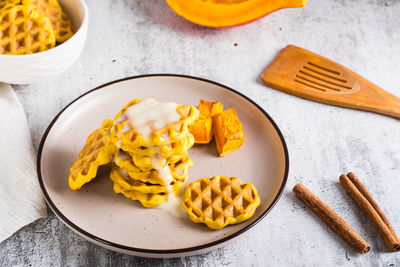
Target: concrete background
131,37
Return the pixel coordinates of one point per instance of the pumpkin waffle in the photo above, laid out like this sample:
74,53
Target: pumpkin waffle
60,22
128,136
220,201
97,151
24,31
176,148
120,176
143,163
147,200
127,105
179,171
9,3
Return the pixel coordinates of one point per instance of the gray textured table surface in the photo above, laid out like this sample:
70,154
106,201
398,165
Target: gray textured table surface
131,37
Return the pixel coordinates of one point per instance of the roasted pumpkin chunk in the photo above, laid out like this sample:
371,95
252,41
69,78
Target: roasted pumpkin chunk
202,128
228,131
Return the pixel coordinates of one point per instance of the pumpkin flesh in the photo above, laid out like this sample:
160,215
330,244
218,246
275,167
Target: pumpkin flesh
226,13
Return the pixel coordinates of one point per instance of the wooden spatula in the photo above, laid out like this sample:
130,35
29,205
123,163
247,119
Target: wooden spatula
305,74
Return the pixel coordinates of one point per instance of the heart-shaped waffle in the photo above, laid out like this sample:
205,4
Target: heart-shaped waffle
60,22
220,201
24,31
97,151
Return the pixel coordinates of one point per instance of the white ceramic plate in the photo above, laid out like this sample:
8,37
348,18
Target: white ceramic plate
117,223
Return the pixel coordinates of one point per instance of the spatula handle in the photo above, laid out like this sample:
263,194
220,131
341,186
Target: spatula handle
375,99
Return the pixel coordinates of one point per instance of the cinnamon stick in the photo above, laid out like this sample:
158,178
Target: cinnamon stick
368,204
332,219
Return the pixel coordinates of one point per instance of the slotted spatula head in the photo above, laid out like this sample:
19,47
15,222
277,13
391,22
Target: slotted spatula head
305,74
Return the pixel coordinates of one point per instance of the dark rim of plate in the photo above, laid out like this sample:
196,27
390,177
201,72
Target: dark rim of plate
170,252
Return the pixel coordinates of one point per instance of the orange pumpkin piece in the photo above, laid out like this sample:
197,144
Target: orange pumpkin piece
228,131
202,128
226,13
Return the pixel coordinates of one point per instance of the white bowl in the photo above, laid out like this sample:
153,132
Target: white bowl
24,69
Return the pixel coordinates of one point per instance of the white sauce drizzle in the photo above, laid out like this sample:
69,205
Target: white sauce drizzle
123,172
121,156
147,116
174,206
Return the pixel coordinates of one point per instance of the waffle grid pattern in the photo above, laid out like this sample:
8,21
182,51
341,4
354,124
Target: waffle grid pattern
96,152
60,22
24,31
220,201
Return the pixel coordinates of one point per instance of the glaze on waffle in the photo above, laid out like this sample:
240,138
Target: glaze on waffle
121,177
128,136
24,31
220,201
179,171
60,22
176,148
96,152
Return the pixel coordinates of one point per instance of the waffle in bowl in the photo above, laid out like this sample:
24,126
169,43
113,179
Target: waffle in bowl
220,201
97,151
24,31
129,136
60,22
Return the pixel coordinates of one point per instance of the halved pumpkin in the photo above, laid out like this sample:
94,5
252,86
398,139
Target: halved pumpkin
226,13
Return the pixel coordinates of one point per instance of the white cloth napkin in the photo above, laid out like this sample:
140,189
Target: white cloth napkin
21,201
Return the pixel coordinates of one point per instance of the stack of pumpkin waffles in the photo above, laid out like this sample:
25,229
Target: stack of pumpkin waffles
147,143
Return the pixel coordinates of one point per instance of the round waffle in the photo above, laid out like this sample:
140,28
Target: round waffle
128,137
220,201
60,22
121,177
179,171
24,31
97,151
